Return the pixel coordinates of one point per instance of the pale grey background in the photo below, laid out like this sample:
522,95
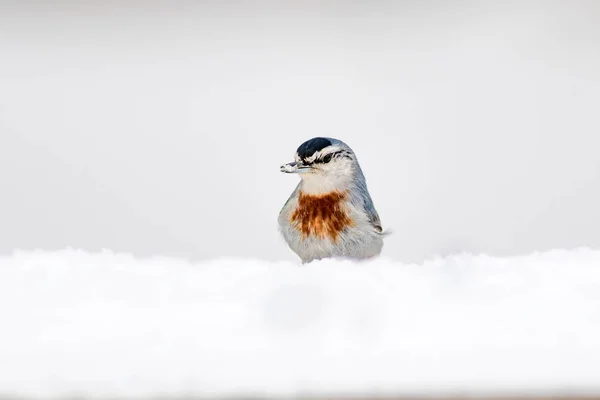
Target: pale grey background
159,128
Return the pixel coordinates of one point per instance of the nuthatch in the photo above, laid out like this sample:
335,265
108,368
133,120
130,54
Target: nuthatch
330,213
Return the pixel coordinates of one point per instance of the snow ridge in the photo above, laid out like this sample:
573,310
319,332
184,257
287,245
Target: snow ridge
106,324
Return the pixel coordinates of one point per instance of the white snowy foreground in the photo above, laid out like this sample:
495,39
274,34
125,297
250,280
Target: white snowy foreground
100,325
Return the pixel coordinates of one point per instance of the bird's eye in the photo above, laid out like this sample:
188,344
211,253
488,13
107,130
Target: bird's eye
327,158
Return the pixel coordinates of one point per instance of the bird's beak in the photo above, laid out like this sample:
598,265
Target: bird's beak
294,168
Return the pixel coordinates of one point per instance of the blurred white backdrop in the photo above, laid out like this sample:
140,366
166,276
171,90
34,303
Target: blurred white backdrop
159,127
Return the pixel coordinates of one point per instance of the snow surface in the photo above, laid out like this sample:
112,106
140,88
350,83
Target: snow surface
105,324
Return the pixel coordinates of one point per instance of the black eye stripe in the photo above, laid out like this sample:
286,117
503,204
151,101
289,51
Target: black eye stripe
328,157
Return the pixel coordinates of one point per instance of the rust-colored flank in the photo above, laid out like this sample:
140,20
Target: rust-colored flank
322,216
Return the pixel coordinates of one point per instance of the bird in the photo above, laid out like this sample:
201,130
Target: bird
330,214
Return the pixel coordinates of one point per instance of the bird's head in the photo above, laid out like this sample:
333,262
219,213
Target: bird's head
324,165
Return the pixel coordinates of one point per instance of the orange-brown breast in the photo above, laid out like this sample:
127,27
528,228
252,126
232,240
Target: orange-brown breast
322,216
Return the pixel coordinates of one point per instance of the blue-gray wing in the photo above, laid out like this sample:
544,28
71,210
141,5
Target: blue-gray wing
368,203
371,212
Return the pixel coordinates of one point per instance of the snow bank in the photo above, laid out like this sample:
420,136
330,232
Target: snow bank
98,325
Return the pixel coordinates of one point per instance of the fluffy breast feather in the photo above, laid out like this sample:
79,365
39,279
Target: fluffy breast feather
323,216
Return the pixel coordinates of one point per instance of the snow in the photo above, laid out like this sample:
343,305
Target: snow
103,324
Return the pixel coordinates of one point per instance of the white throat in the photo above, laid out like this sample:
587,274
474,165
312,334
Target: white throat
317,184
